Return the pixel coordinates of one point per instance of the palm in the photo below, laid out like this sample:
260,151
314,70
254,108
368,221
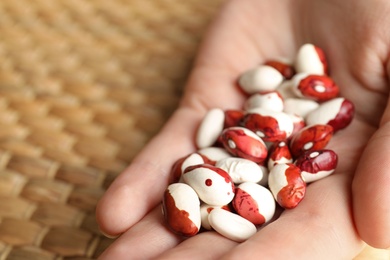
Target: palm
247,33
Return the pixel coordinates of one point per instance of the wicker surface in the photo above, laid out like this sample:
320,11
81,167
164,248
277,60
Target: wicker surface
83,86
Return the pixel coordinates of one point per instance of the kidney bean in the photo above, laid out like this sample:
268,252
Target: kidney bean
241,170
254,203
213,154
286,89
298,123
264,180
243,143
271,100
286,69
317,164
180,165
271,126
337,113
181,209
286,184
261,78
213,185
205,210
309,138
233,117
316,87
231,225
279,152
299,106
210,128
311,59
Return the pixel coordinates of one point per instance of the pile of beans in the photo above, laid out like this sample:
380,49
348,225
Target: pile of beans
253,160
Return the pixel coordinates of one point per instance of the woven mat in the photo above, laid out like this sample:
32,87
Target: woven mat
83,86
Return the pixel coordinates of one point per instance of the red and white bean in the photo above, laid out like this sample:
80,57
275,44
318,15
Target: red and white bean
181,209
180,165
210,128
298,123
300,107
241,170
242,142
287,185
212,184
261,78
309,138
337,112
315,87
231,225
270,125
213,154
233,117
254,203
205,210
284,67
271,100
311,59
279,152
317,164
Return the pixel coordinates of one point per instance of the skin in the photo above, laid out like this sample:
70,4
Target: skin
339,212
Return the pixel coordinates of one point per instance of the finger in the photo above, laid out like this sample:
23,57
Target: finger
319,228
140,187
208,245
145,240
371,200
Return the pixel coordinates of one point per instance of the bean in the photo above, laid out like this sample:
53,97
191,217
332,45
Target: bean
180,165
286,184
231,225
205,210
241,170
254,203
210,128
271,100
337,113
284,67
311,59
299,106
181,209
213,185
270,125
317,164
233,117
309,138
261,78
315,87
243,143
214,154
279,152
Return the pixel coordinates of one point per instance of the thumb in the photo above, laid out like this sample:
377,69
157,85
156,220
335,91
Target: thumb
371,196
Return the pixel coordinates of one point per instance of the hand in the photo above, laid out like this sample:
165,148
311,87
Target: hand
339,211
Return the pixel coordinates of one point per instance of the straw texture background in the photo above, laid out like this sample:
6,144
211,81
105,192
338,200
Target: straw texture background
83,86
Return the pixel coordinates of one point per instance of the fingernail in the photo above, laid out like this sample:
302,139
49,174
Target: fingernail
107,235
